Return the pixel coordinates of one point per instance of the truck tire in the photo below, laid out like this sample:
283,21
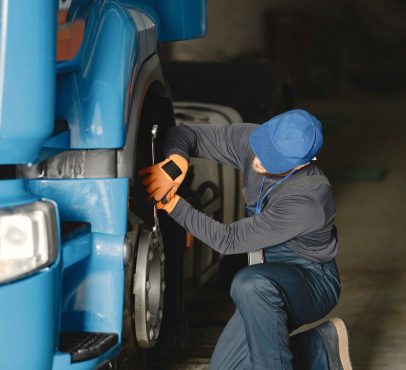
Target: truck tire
151,104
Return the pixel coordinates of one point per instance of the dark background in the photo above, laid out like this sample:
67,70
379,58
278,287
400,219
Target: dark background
321,44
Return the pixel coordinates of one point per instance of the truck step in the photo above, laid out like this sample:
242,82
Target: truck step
84,345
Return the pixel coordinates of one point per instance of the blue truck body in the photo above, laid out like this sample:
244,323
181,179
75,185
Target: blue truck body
98,96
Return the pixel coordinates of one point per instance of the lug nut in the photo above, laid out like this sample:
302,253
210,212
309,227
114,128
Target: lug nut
160,314
150,256
151,334
156,333
162,257
148,316
148,286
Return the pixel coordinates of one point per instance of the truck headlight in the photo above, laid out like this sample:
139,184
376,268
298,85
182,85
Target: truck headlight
28,239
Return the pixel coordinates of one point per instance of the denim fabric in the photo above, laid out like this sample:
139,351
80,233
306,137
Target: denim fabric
309,352
272,299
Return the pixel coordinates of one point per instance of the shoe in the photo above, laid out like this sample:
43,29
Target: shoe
334,335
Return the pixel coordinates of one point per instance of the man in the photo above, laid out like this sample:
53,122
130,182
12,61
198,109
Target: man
289,225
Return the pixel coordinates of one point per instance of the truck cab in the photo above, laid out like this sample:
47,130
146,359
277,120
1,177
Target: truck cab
84,273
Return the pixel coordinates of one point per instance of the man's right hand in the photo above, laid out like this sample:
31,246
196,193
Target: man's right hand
162,180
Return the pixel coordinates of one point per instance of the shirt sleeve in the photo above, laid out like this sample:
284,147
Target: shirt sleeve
289,217
224,143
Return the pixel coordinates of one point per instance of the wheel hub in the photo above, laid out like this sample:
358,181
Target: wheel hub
149,287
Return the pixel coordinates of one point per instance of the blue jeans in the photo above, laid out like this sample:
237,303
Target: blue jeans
273,299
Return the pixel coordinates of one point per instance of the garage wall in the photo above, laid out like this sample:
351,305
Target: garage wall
238,27
319,43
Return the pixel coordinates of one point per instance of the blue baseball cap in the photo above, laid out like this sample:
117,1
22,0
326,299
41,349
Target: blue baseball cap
287,140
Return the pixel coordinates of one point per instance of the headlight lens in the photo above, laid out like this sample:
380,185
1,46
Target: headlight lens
28,239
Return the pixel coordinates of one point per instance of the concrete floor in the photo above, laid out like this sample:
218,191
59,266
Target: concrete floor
371,219
364,134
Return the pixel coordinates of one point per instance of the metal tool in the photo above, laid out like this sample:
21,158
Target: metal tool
149,277
154,132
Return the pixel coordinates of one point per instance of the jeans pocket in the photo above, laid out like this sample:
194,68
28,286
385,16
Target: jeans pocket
315,267
331,271
332,276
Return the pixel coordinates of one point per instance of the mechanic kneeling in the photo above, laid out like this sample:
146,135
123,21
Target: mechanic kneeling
289,234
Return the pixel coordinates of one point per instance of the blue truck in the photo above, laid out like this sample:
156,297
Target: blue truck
83,105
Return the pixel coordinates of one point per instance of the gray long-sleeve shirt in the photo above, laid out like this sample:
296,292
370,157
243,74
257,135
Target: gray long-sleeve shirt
299,212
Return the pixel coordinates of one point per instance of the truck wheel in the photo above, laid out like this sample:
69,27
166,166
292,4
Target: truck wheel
147,320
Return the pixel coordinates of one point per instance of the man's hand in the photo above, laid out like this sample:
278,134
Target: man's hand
170,205
163,179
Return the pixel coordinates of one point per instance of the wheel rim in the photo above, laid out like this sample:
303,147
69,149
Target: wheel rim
149,287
